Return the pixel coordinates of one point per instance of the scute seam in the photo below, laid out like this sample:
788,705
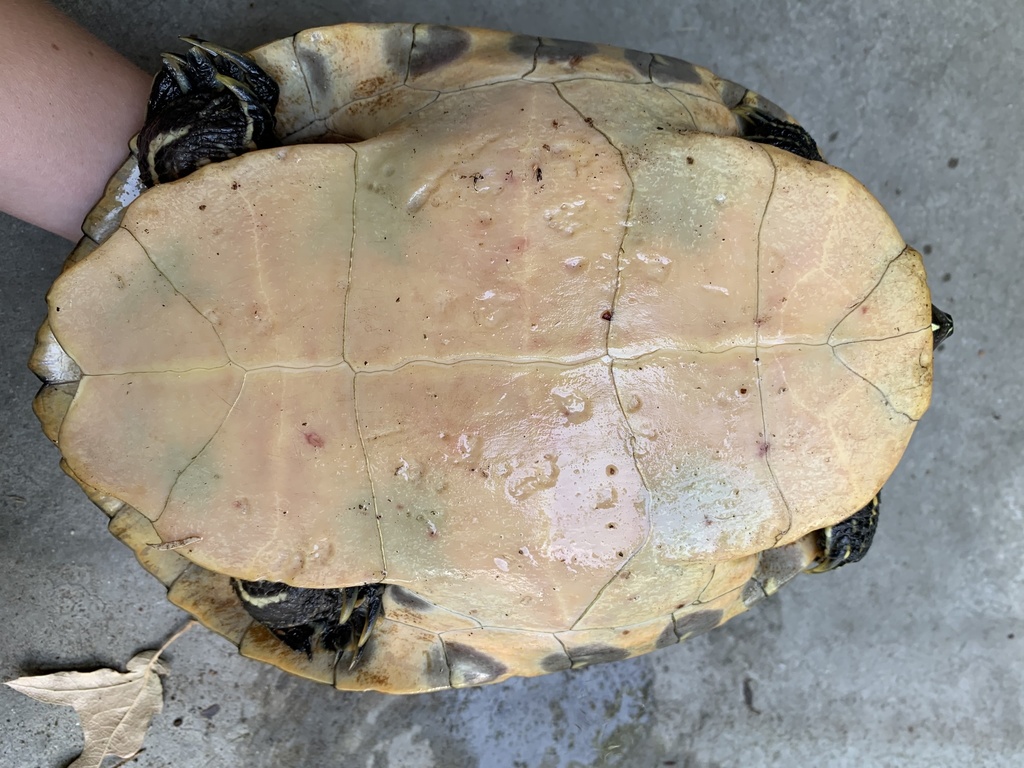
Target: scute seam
199,453
180,293
885,397
757,345
631,442
867,295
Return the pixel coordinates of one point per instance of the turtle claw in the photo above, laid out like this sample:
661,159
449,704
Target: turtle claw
209,105
361,607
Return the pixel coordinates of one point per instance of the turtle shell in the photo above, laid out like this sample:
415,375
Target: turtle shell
523,328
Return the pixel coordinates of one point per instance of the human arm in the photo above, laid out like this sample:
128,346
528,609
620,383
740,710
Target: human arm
68,106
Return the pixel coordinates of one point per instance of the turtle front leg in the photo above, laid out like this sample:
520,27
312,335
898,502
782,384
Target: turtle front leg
207,106
338,620
849,540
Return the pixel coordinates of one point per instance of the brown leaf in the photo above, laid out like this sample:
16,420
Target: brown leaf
115,708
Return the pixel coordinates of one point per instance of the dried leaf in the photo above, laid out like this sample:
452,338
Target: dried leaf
115,708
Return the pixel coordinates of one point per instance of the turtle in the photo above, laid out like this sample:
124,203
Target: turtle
412,357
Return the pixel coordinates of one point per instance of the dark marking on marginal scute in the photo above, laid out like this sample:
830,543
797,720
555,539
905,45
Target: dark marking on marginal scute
586,655
471,667
777,566
553,49
434,46
697,623
408,600
315,71
640,60
668,68
524,46
731,93
667,637
555,662
752,593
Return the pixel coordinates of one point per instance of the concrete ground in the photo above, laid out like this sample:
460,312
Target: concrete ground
913,658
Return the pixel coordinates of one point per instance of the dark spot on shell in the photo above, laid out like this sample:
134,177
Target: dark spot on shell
434,46
668,68
640,60
606,315
667,637
752,593
408,600
596,653
953,162
202,207
555,49
690,160
177,722
315,70
731,93
524,46
470,666
210,711
555,662
697,623
314,439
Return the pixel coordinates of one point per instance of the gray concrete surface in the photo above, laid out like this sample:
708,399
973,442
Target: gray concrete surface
913,658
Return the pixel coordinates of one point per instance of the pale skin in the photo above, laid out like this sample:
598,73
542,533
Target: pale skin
68,108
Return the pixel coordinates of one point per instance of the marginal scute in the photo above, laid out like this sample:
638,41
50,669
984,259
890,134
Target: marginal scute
777,566
137,533
562,61
261,644
669,70
50,362
729,576
480,57
51,405
471,667
592,646
210,598
398,659
122,188
697,623
435,46
489,654
585,655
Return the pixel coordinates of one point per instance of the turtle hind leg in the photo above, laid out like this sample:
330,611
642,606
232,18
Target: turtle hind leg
758,124
337,620
849,540
210,105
